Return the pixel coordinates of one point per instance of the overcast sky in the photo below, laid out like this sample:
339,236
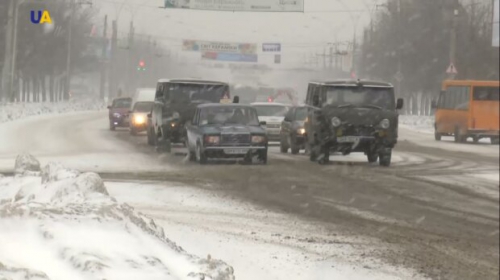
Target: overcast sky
300,33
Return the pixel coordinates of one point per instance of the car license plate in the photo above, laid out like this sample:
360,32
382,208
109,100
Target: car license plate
348,139
235,151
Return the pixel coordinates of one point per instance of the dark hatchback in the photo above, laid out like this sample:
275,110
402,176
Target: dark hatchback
118,112
226,131
293,132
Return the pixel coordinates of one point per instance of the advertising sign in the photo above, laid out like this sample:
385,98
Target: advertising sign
229,57
271,47
221,47
496,22
238,5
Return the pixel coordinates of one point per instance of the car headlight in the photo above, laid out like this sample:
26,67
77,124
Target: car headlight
258,139
301,131
211,139
139,120
116,115
336,122
385,123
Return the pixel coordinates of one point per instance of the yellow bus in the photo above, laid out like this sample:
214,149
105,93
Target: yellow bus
468,109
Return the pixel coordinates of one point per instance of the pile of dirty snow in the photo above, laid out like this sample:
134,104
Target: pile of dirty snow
58,223
417,123
15,111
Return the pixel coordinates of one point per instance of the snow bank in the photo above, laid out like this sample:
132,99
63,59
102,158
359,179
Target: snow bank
418,123
15,111
62,224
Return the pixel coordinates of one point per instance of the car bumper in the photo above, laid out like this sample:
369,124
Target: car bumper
483,133
233,151
139,127
119,122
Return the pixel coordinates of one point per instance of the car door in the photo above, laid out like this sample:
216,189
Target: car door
286,125
192,129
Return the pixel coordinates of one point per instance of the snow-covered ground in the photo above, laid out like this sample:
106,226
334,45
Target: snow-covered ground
258,243
16,111
80,140
423,124
60,224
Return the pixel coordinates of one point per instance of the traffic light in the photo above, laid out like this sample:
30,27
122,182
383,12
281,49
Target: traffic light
142,66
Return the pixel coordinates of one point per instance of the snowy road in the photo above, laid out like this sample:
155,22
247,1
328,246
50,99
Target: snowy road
435,211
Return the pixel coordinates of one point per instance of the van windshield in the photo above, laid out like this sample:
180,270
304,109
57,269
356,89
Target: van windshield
360,96
195,92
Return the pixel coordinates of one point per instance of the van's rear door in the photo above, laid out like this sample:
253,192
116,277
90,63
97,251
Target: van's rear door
485,108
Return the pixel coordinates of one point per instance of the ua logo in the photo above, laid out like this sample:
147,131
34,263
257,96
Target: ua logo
40,17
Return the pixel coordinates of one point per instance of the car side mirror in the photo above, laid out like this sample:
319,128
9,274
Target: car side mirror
109,107
399,104
433,104
150,115
262,123
236,99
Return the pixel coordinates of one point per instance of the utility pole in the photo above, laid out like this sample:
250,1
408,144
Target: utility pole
5,86
112,75
331,58
68,58
453,38
102,82
129,54
13,87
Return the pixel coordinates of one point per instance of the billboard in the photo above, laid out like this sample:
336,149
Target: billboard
238,5
229,57
271,47
221,47
496,20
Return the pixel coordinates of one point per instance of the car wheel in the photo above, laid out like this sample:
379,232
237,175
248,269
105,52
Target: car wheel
133,131
475,139
150,137
263,156
372,157
437,136
294,147
191,154
201,158
459,138
112,127
325,156
385,158
283,146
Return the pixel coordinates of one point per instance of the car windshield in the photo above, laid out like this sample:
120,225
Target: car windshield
360,96
301,114
143,107
122,103
184,92
229,115
271,110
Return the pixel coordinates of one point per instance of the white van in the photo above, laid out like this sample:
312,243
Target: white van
142,95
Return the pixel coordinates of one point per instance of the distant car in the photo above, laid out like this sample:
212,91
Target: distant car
175,103
293,133
118,112
273,114
352,116
138,116
226,131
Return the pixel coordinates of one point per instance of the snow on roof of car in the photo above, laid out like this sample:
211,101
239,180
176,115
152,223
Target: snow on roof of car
190,81
352,83
210,105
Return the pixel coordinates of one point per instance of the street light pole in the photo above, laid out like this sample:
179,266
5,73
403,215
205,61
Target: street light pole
68,58
14,52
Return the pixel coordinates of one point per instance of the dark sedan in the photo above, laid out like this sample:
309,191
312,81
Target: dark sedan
293,133
226,131
118,112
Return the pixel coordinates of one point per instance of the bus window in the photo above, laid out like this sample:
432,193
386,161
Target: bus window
486,93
